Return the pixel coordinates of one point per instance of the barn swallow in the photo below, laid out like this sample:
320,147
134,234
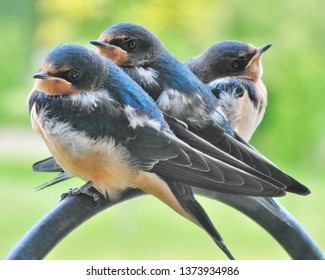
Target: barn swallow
233,71
179,93
102,127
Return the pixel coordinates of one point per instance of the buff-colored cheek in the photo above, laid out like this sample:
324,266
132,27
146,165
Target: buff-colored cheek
117,55
253,68
54,86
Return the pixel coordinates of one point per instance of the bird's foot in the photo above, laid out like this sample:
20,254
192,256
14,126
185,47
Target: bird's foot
86,189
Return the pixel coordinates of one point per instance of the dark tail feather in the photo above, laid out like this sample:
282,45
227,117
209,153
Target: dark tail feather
185,197
59,178
292,186
47,165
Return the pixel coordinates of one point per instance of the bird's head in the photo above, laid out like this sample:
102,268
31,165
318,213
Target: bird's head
129,45
232,58
70,69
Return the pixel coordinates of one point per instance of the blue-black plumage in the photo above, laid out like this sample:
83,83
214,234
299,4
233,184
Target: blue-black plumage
105,129
181,94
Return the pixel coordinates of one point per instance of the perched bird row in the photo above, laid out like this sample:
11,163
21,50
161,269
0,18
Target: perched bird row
133,116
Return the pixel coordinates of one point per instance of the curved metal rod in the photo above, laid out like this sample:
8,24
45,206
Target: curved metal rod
290,235
72,211
67,215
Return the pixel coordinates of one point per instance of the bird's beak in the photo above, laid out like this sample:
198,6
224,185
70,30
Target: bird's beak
100,44
263,49
257,56
114,53
52,85
42,76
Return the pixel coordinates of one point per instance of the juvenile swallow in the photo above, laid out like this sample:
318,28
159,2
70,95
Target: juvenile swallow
179,93
102,127
233,71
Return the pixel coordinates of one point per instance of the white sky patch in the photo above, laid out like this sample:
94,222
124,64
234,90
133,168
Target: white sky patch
139,120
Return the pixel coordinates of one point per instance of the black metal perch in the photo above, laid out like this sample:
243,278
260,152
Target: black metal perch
290,235
72,211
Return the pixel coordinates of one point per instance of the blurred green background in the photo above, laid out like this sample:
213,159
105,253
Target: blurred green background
292,134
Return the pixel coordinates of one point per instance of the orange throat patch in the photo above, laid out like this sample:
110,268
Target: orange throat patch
54,86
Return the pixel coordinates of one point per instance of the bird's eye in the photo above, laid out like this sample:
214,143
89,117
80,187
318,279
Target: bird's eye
74,75
131,44
236,64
